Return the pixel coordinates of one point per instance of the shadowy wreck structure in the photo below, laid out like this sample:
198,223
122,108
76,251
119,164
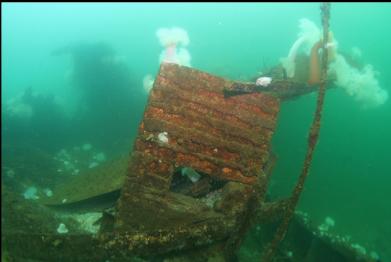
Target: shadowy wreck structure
196,181
198,161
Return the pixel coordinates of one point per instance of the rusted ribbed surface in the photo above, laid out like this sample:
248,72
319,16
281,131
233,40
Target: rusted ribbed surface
224,137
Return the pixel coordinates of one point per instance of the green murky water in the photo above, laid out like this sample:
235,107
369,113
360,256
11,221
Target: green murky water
73,79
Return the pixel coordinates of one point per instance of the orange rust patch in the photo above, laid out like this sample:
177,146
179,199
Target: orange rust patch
227,170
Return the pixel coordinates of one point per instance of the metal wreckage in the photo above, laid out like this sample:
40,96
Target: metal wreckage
194,184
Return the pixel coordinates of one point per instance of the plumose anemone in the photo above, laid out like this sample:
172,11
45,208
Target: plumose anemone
171,39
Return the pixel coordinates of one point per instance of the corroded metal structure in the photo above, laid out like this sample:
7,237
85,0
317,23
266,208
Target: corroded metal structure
226,140
197,176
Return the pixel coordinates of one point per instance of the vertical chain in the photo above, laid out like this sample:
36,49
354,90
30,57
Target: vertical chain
312,141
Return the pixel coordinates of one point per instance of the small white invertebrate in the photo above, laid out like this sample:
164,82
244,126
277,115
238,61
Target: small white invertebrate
263,81
62,229
163,137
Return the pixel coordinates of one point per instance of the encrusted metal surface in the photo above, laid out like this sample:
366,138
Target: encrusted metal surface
224,137
188,122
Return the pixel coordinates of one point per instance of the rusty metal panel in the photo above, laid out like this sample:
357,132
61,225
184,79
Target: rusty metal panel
225,137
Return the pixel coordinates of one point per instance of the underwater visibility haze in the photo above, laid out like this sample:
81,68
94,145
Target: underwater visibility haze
77,79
